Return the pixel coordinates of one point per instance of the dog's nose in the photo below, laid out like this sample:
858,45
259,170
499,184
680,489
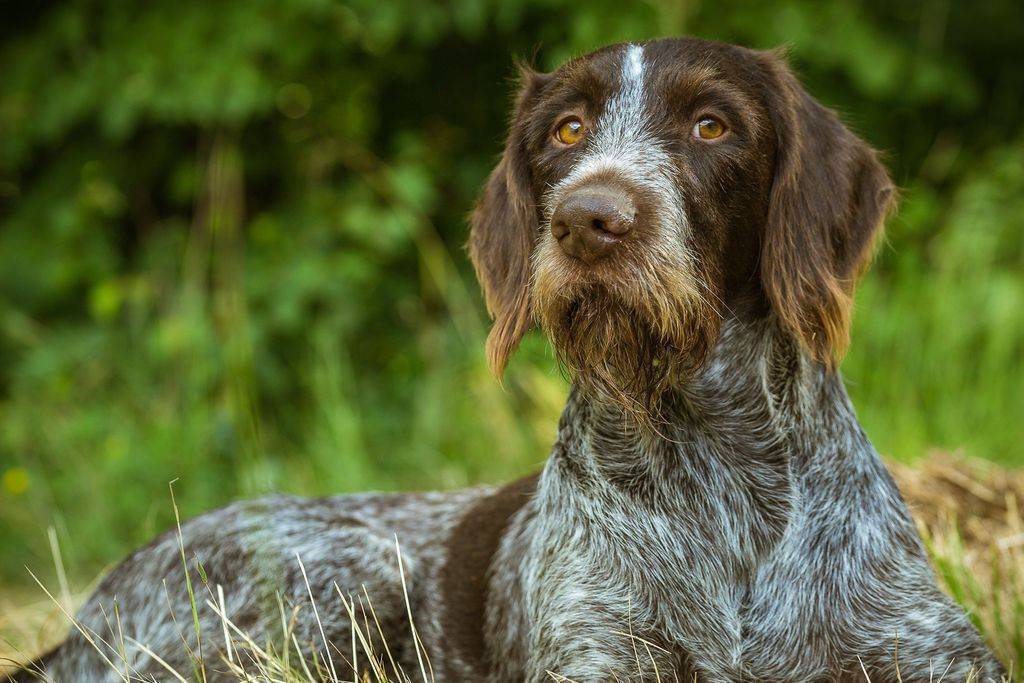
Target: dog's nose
590,222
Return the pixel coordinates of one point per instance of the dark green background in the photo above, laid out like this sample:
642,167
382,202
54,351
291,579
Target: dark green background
231,242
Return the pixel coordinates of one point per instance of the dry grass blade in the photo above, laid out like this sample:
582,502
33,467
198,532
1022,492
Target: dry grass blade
198,661
156,658
418,644
316,614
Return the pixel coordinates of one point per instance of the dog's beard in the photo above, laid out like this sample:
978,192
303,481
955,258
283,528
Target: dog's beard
627,334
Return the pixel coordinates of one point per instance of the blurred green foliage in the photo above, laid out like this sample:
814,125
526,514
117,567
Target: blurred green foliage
230,242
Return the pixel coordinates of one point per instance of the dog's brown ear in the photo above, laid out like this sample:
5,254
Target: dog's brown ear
504,229
829,200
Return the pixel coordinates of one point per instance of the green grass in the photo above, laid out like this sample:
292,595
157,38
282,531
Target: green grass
937,357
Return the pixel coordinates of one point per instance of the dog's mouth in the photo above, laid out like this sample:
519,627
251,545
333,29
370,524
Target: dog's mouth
633,322
623,344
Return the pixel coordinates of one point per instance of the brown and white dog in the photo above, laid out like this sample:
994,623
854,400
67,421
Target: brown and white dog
687,224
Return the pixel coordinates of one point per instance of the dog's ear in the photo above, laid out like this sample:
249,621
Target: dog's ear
504,230
829,199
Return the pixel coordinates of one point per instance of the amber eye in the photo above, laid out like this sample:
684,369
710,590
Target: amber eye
570,131
708,129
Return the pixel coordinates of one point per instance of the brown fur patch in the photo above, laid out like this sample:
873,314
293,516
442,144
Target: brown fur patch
469,550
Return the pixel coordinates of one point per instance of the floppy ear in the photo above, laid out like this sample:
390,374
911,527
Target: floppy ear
829,199
504,230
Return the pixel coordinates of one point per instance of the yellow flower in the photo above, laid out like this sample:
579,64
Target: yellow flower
15,480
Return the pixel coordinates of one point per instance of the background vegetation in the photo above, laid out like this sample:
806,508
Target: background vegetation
230,242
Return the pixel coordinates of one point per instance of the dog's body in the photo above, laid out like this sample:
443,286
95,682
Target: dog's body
711,507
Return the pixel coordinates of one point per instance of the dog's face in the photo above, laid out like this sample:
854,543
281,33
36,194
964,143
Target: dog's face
647,189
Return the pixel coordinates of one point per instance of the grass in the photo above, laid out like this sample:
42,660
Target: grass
970,517
968,512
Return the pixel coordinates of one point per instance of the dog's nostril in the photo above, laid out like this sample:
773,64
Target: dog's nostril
560,229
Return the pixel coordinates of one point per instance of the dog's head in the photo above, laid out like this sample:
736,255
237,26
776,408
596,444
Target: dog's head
645,188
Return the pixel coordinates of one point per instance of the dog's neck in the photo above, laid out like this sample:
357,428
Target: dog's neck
758,402
681,519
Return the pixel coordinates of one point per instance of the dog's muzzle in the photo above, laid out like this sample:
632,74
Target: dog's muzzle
592,221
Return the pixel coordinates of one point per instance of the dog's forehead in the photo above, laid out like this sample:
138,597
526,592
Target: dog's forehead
669,64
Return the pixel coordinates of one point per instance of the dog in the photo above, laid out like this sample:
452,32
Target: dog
687,225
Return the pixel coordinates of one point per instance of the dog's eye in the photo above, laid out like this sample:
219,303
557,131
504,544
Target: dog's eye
570,131
708,128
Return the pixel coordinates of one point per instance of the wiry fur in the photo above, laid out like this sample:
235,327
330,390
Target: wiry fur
754,534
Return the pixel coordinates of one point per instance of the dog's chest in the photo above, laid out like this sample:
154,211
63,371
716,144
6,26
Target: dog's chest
664,567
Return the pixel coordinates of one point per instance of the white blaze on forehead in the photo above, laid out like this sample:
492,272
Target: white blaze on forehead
623,119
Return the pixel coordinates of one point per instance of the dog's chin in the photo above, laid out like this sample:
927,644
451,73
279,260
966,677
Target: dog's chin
626,340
